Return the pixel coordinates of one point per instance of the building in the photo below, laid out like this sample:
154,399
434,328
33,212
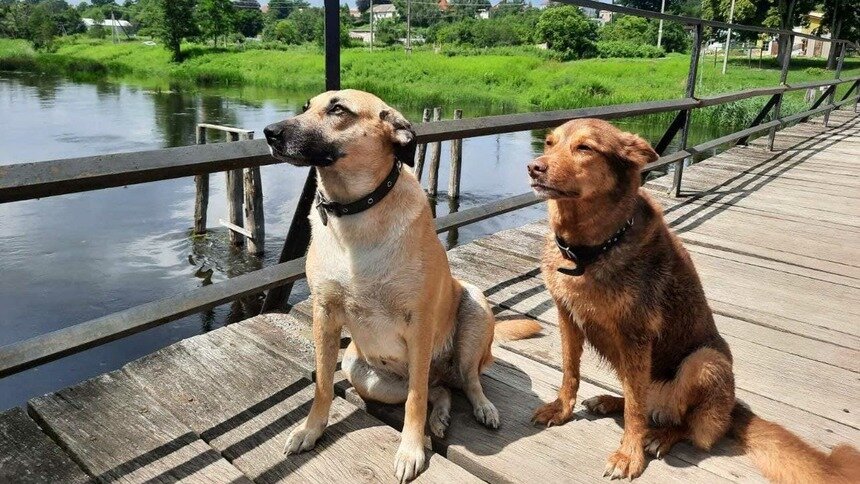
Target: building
361,33
120,27
811,47
381,12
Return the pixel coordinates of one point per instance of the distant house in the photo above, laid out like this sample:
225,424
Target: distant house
355,13
360,33
121,27
483,14
384,11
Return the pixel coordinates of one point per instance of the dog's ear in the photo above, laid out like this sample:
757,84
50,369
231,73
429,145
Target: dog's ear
637,150
402,135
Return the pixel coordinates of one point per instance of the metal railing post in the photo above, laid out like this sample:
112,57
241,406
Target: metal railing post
833,87
299,236
692,74
786,41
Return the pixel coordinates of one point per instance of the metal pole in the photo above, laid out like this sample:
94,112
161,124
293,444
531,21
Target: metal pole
299,236
690,91
408,25
660,29
786,41
838,76
728,37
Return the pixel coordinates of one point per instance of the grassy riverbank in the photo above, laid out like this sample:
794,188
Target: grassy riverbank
509,79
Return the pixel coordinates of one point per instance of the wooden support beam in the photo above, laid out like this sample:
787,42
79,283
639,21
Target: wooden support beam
235,198
201,192
422,148
435,158
456,162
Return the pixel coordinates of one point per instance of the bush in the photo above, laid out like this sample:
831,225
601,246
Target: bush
566,30
285,31
619,48
637,30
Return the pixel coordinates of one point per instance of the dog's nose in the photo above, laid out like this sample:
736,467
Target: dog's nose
537,167
273,132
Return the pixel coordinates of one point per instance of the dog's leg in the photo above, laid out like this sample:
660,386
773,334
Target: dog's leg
629,459
475,335
700,398
327,328
410,458
440,416
572,339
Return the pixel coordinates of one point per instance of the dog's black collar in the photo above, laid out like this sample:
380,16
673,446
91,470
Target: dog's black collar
326,207
585,255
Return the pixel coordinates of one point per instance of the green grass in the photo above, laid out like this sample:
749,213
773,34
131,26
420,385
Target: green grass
487,81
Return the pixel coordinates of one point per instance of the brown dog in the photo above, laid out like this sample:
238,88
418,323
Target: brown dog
624,282
376,266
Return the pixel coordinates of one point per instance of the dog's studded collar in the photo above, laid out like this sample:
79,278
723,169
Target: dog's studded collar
326,207
585,255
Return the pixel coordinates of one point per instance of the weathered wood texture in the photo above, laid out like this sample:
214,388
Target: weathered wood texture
774,236
117,432
435,159
29,456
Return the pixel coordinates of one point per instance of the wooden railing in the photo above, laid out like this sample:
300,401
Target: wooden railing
57,177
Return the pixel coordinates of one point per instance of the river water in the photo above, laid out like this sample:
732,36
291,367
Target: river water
68,259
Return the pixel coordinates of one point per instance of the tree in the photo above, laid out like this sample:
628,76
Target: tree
424,14
388,31
847,25
174,24
38,21
310,23
249,22
281,9
215,18
286,31
467,8
566,30
642,31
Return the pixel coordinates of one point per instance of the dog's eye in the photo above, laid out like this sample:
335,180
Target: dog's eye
337,110
583,147
306,106
549,142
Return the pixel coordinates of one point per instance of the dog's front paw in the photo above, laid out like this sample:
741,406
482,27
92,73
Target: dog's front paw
409,461
302,438
553,413
622,464
487,414
658,442
604,404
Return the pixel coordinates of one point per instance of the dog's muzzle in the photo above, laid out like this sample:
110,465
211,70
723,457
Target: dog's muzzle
289,143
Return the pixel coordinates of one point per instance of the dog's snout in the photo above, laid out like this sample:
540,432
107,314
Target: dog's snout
274,132
537,167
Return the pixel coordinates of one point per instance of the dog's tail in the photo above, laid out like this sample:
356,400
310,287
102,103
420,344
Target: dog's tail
514,329
783,457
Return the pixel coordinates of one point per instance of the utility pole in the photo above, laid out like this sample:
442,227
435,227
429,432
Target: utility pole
728,37
371,25
409,26
113,34
660,30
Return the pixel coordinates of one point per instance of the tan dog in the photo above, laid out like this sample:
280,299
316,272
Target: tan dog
623,281
376,266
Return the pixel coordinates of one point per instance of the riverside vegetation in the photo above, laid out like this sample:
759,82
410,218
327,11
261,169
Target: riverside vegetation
501,79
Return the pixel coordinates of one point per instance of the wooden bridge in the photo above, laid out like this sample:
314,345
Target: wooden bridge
775,236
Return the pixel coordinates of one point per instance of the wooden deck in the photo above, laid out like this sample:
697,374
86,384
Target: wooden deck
775,237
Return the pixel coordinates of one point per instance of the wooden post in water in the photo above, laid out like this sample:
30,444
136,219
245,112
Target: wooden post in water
422,148
435,157
234,198
254,219
201,197
456,162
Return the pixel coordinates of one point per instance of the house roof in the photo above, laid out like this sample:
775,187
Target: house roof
106,23
384,8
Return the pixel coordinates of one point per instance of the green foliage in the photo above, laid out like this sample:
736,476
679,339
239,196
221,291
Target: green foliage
310,24
281,9
285,31
249,22
642,31
215,18
566,30
498,31
460,9
424,14
388,31
38,21
174,24
620,48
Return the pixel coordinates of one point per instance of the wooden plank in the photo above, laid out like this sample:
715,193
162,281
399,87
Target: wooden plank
117,432
204,381
29,456
235,228
521,452
799,418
